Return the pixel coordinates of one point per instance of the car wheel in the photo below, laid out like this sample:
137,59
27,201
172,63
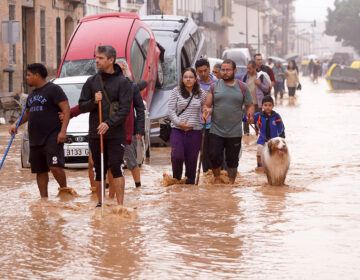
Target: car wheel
159,76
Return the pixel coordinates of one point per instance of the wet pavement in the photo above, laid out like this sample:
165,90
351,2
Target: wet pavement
308,229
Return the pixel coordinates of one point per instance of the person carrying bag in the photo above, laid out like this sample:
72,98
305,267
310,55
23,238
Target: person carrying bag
185,136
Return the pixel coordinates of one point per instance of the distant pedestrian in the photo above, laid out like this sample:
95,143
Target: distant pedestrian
279,73
47,133
113,90
311,68
224,102
260,67
257,84
206,79
185,104
216,71
292,78
270,63
316,72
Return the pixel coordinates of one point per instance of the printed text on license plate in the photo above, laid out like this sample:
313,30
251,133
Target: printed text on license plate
76,152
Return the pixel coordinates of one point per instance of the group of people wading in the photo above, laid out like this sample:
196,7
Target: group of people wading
216,106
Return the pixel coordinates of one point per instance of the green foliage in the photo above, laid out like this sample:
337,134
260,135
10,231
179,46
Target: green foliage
344,22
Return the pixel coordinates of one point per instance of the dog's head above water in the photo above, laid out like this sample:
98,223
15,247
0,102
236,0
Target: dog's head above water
277,146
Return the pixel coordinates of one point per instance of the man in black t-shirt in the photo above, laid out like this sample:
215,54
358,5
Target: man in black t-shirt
47,133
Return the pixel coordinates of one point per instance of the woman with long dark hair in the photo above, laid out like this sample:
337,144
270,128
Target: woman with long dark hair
292,78
185,105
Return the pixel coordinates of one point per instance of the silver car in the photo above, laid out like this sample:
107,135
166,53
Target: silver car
183,43
76,147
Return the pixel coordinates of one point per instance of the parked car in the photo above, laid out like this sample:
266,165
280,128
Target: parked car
183,44
133,41
76,147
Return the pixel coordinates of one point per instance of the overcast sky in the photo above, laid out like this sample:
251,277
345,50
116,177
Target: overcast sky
312,9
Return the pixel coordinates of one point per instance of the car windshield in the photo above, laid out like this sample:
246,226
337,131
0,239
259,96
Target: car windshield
72,92
166,40
84,67
166,33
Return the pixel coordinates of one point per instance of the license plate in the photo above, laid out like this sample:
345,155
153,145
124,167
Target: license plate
76,152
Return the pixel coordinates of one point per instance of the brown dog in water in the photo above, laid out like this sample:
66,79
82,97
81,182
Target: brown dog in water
276,161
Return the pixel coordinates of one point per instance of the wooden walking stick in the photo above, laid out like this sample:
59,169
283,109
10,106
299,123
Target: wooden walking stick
201,154
101,158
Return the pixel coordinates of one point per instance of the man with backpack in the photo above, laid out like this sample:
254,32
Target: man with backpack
258,85
224,101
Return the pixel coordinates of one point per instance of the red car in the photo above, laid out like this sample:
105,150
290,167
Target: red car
132,39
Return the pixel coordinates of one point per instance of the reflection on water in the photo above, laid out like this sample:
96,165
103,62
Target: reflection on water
307,229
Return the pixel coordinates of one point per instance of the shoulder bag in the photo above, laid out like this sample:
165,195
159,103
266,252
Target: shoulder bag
165,128
115,105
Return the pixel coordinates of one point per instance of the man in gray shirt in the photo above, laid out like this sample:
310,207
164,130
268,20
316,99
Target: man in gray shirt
224,101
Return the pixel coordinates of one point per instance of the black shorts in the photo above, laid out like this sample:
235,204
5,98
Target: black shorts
232,146
47,155
113,156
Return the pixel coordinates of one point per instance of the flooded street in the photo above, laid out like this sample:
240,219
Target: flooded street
308,229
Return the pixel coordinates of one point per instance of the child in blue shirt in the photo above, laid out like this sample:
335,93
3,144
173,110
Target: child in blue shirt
268,124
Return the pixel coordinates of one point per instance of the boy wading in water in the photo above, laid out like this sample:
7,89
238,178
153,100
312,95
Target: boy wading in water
269,124
47,133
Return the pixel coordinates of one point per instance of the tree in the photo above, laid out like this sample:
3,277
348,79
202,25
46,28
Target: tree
344,22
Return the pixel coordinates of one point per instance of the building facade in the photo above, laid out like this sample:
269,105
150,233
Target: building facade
45,28
251,26
108,6
212,16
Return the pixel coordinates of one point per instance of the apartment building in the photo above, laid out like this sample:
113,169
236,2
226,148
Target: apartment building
45,29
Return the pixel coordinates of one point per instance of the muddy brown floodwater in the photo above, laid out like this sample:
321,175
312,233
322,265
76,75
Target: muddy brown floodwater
308,229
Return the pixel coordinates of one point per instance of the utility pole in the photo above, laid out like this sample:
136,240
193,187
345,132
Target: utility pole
258,24
285,27
247,29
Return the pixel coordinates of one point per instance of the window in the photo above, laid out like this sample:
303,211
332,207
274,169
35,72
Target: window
185,63
190,49
12,17
197,37
143,38
138,53
137,61
58,42
42,36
